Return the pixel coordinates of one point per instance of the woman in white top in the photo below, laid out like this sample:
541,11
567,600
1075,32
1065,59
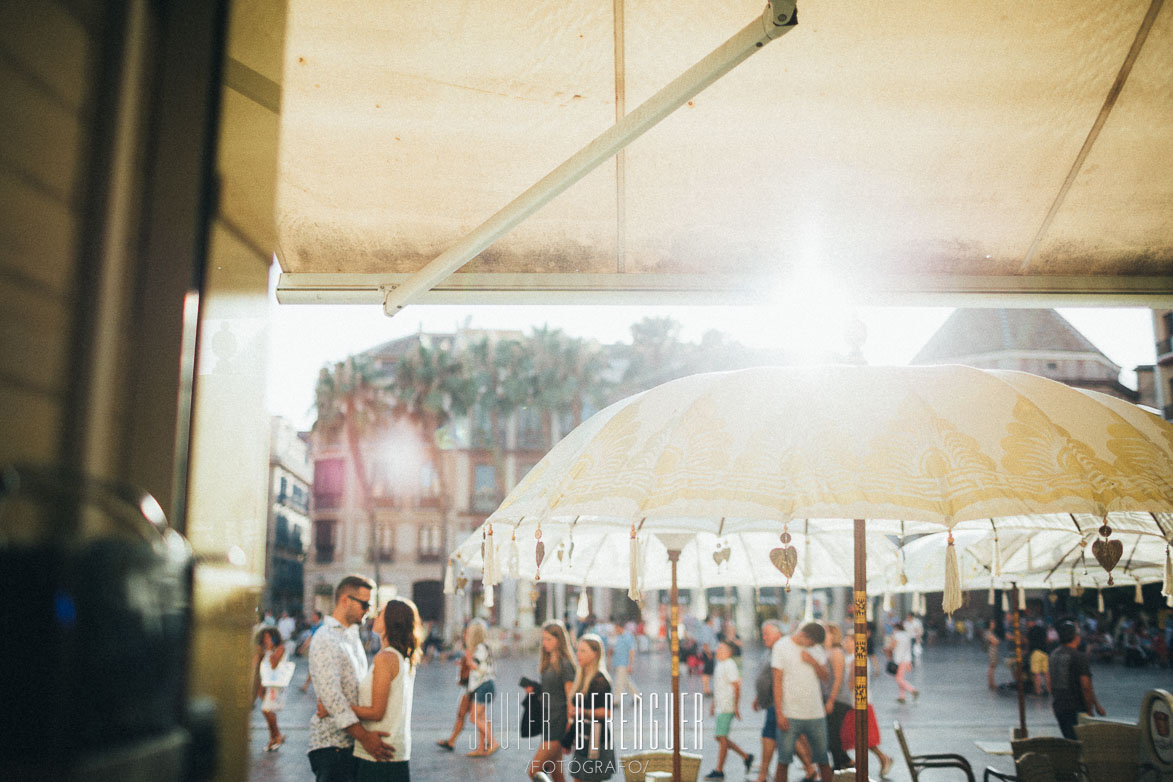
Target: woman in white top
385,694
270,652
481,686
899,648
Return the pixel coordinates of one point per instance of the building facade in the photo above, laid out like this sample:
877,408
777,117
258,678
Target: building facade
1162,382
288,523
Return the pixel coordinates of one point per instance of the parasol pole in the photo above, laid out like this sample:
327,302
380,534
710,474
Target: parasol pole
1020,732
860,607
674,648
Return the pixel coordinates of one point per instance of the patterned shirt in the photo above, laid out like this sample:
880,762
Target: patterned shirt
337,664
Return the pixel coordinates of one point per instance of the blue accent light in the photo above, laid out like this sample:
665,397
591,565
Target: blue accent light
64,609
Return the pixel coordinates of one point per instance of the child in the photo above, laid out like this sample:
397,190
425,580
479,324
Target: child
726,705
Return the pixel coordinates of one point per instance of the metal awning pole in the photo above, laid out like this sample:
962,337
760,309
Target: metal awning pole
778,19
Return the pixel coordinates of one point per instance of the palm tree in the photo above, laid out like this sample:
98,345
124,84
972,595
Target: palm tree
350,399
500,370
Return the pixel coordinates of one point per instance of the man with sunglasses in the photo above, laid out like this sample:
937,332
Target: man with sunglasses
337,664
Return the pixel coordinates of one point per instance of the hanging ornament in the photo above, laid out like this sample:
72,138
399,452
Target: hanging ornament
633,566
450,578
584,606
490,576
488,602
560,551
539,552
1107,551
1053,597
951,599
1167,586
997,557
722,553
1100,600
461,580
990,597
570,550
513,565
886,606
903,575
1021,599
1138,598
786,557
1005,602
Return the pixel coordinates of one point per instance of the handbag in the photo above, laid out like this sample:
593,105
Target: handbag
280,676
892,667
531,709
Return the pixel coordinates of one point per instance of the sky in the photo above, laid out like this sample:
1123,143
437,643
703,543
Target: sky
304,338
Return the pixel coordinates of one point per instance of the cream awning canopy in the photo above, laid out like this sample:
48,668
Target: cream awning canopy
928,152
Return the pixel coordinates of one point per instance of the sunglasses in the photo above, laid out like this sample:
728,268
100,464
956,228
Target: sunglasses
366,604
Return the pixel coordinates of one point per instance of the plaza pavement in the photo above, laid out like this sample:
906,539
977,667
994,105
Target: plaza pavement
955,710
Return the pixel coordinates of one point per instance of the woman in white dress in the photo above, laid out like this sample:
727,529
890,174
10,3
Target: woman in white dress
385,694
271,651
899,648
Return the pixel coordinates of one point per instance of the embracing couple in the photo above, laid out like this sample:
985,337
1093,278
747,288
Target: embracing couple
362,729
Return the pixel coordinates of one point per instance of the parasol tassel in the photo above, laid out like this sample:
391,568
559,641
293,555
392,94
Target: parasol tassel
990,598
1167,587
450,579
1005,602
887,605
1138,598
951,600
584,606
1100,601
808,610
488,603
633,566
1021,599
997,559
514,565
491,576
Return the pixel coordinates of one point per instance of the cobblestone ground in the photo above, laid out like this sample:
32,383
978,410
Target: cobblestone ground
955,710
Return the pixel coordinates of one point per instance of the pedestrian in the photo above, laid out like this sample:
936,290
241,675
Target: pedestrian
385,694
993,641
726,706
463,705
481,687
799,662
916,631
846,727
286,625
622,654
556,670
1036,643
272,681
764,697
590,712
899,650
835,706
1071,681
337,665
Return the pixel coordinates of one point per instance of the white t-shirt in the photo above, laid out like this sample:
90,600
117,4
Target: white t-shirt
901,647
802,698
725,675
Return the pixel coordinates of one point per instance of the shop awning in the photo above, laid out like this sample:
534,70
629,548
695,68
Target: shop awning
921,151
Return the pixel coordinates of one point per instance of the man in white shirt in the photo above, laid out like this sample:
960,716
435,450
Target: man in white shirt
337,664
799,661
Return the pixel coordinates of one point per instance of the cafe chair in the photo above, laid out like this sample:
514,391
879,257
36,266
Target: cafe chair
1063,758
637,765
918,763
1111,752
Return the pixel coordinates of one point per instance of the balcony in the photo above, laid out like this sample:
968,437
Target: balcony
324,501
428,557
385,555
1164,349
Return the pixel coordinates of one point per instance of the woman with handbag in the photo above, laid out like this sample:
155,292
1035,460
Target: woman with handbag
899,649
481,687
590,712
275,675
556,670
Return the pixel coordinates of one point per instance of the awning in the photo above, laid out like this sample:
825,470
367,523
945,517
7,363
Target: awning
924,151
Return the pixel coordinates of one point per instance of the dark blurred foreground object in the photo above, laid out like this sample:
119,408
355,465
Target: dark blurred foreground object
95,616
